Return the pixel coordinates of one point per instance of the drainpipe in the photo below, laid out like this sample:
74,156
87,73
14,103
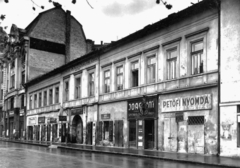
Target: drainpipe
219,73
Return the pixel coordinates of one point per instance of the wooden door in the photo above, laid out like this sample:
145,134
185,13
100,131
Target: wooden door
170,134
89,133
99,132
118,133
111,131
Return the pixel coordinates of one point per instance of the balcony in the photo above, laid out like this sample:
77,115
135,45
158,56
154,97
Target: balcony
54,107
186,82
79,102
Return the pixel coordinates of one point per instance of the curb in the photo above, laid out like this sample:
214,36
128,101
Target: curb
126,154
148,156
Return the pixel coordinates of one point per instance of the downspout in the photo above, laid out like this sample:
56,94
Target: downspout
97,124
219,73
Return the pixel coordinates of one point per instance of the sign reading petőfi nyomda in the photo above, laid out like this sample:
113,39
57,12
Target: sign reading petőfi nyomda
195,102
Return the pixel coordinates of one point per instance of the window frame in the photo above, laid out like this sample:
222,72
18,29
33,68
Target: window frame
40,98
91,83
192,38
56,96
148,77
45,102
78,89
118,75
66,91
50,96
104,80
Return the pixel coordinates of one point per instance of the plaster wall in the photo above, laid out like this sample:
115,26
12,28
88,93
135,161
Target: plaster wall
230,43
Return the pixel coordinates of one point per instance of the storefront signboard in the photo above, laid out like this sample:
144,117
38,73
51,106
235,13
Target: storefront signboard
105,116
62,118
77,111
11,113
142,108
32,121
196,102
52,120
41,120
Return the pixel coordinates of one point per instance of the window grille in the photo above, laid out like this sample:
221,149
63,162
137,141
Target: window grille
195,120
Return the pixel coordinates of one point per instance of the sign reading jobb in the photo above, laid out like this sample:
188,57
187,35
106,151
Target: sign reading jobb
62,118
142,108
187,103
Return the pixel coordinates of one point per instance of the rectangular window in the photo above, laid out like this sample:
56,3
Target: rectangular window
1,98
120,78
197,57
12,75
77,87
66,90
40,99
135,71
171,63
151,69
50,96
45,98
107,81
91,84
35,101
2,76
12,103
30,104
57,95
22,101
23,77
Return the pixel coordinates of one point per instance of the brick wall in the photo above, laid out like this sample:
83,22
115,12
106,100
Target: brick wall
78,45
41,62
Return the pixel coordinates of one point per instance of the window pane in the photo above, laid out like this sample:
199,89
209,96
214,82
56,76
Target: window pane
172,53
197,46
135,65
151,60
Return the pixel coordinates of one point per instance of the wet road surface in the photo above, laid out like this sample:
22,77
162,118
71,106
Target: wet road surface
13,155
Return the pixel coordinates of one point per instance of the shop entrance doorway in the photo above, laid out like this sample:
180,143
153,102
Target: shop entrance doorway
149,134
11,128
119,133
63,132
48,132
196,134
77,130
170,134
30,132
54,132
89,133
132,133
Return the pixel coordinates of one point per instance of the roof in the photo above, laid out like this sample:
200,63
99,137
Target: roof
149,29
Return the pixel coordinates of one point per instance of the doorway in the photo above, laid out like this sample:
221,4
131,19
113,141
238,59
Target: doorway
63,132
170,134
132,133
30,132
149,134
48,132
119,133
54,132
42,132
89,133
77,130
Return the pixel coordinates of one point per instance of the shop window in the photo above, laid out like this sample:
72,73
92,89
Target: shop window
40,99
120,78
151,69
195,120
135,73
171,63
57,95
197,57
108,131
91,84
45,98
107,81
132,133
50,96
77,87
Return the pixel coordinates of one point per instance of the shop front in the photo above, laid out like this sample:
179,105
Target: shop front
77,126
189,122
142,119
42,128
54,127
32,121
112,125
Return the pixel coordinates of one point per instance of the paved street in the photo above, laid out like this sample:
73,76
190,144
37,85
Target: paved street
14,155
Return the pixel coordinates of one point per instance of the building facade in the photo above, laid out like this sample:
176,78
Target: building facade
51,40
154,89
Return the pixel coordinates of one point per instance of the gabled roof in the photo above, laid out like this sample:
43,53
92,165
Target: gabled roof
149,29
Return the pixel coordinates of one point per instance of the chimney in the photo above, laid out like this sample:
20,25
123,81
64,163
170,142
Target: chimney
68,36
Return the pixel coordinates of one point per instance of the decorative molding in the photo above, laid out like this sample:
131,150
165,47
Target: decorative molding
134,55
120,60
91,67
172,41
106,65
197,32
152,48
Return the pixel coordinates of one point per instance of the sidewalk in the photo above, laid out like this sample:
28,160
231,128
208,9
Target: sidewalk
177,157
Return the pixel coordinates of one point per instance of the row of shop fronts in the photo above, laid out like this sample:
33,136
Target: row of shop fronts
178,122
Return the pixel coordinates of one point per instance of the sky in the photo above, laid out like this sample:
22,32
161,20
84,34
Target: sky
108,20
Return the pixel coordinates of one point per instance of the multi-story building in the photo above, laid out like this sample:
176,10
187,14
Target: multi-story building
229,120
51,40
154,89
